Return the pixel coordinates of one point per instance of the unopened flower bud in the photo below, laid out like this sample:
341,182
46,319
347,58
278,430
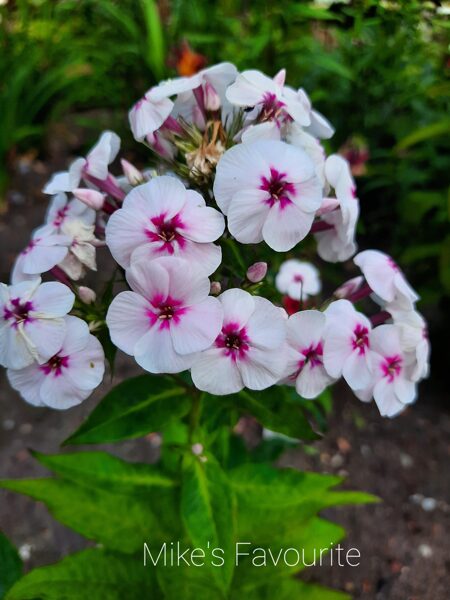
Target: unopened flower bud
216,288
86,295
257,272
197,449
134,176
91,198
211,97
349,287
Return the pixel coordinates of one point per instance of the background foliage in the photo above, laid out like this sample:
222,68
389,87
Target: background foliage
377,68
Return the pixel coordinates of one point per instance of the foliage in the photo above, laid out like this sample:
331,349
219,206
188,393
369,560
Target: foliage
205,502
10,565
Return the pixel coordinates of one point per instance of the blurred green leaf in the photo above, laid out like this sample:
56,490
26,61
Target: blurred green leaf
10,565
132,409
95,574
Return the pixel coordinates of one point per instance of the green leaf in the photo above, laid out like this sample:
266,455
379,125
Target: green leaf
275,410
115,520
132,409
424,133
291,589
103,470
207,510
10,565
95,574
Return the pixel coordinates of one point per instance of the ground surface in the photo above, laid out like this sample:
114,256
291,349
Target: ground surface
404,542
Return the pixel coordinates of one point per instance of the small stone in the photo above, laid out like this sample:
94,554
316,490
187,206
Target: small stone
8,424
337,460
429,504
406,461
366,451
425,551
25,551
26,428
343,445
416,498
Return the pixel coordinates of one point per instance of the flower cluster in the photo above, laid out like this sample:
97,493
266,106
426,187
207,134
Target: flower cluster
241,169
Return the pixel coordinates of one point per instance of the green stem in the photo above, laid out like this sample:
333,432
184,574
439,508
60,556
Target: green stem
194,417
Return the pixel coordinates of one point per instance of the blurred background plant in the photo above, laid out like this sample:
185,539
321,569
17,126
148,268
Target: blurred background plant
376,68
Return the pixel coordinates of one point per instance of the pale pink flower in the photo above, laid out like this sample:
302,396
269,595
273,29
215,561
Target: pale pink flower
348,288
298,279
69,376
413,333
335,231
385,278
393,385
248,352
82,249
167,318
304,356
346,349
162,218
87,294
44,251
94,165
91,198
269,192
62,209
31,323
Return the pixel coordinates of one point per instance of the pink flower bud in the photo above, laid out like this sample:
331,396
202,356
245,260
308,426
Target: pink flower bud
92,198
257,272
86,295
211,97
134,176
216,288
349,287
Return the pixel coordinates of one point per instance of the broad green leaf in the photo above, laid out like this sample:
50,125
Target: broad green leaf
265,557
208,512
424,133
275,410
103,470
293,589
115,520
189,583
132,409
10,565
93,574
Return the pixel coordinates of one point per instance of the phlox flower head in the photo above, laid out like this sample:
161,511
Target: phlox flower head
269,192
69,376
167,317
162,218
346,350
304,353
298,279
94,165
385,278
62,210
32,327
248,351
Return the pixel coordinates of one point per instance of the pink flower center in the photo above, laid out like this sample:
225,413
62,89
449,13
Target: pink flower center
18,312
167,232
55,365
360,340
298,278
392,367
278,188
166,311
312,356
272,109
234,340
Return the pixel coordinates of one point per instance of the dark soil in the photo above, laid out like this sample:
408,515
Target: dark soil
403,541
